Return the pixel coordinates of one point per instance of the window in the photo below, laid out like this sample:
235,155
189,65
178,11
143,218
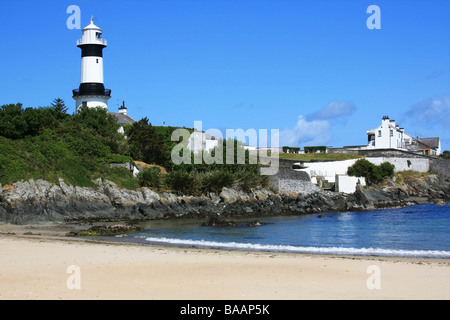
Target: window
391,133
97,60
379,133
84,103
98,35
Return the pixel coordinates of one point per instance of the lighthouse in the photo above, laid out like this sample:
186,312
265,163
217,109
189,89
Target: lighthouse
92,92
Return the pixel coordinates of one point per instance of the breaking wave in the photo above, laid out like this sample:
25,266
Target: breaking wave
295,249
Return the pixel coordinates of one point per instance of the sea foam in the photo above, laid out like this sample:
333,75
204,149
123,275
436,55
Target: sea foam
295,249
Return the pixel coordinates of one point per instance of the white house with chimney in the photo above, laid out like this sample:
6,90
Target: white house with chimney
389,135
122,117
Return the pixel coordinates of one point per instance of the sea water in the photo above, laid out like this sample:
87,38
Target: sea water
414,231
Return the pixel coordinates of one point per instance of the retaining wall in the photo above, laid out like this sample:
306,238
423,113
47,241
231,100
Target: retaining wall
440,166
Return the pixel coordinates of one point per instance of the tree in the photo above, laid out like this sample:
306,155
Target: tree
39,119
101,122
59,109
12,122
145,144
17,122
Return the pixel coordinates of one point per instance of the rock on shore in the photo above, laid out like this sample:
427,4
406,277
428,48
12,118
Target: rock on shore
29,202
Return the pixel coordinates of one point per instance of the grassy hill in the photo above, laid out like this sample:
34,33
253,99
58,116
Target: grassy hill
47,143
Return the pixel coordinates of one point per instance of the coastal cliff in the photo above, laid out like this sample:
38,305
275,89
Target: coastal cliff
30,202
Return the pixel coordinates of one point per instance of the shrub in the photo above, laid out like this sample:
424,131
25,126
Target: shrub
118,158
182,182
361,168
321,149
122,177
372,172
150,177
214,181
386,170
287,149
248,180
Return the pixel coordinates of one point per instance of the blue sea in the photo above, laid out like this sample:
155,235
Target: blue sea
414,231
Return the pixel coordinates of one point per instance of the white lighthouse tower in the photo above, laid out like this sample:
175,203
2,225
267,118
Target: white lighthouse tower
92,92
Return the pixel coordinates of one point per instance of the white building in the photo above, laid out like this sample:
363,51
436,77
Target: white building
199,141
390,136
91,92
387,136
122,117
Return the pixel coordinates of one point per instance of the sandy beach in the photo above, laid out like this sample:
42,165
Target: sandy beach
39,262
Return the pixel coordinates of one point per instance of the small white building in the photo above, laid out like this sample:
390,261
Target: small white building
347,184
200,141
122,117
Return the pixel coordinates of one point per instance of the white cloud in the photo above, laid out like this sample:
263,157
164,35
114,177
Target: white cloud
315,129
334,110
306,133
430,111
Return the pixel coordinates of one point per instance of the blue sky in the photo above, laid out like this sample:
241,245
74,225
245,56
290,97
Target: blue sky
311,69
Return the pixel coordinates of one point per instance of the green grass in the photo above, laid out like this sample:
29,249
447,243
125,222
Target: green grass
409,176
122,177
50,158
318,156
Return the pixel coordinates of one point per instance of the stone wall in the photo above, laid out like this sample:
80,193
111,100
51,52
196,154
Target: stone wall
440,166
288,186
288,180
379,153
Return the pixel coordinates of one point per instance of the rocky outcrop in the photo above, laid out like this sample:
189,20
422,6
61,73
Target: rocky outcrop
215,221
39,201
104,230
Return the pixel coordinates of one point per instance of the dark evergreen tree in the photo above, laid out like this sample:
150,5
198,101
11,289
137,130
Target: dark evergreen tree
145,144
59,109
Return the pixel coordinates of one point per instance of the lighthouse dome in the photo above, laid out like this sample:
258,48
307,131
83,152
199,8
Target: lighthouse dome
91,34
91,26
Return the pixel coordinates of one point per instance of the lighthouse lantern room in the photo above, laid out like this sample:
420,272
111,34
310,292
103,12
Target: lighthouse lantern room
92,92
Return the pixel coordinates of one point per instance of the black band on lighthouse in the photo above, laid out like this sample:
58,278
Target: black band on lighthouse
92,50
92,89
